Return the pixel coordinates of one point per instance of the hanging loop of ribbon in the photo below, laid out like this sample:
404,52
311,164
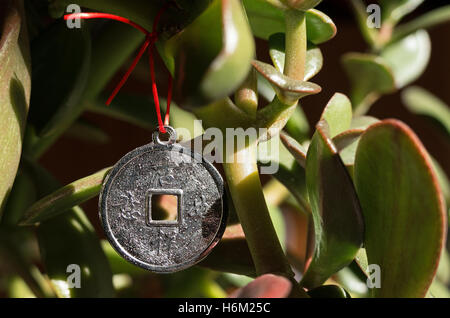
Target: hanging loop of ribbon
150,39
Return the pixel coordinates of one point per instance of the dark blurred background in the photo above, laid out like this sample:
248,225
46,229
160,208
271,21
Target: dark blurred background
70,159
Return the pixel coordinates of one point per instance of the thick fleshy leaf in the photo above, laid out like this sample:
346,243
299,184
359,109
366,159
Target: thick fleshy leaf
296,150
362,122
371,35
278,223
174,18
443,180
23,195
369,75
438,290
401,199
314,58
338,114
288,90
265,286
443,272
425,21
65,198
14,94
266,20
114,44
18,257
351,282
422,102
118,264
338,223
328,291
54,112
395,10
347,141
70,239
408,57
212,55
361,260
302,5
320,27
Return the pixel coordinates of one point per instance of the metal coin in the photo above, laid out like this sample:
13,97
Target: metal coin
125,204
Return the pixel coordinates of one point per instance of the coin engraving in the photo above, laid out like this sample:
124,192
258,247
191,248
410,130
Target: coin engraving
125,207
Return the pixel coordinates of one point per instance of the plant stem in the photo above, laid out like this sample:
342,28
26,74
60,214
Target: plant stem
248,198
296,44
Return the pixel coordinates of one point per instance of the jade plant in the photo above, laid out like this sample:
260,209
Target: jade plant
356,208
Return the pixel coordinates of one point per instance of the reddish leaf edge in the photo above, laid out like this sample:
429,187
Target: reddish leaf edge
417,143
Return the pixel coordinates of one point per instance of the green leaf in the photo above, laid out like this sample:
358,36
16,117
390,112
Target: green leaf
443,180
287,89
129,108
319,27
438,290
279,224
362,122
443,271
351,282
400,199
58,86
314,58
114,44
70,239
302,5
65,198
14,94
408,57
118,264
422,102
328,291
266,20
18,258
23,195
395,10
212,55
347,141
338,223
370,35
370,76
425,21
296,150
174,18
338,114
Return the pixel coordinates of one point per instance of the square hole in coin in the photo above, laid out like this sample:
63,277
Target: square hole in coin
163,207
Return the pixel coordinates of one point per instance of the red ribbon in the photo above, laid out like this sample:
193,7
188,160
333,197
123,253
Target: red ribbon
150,39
